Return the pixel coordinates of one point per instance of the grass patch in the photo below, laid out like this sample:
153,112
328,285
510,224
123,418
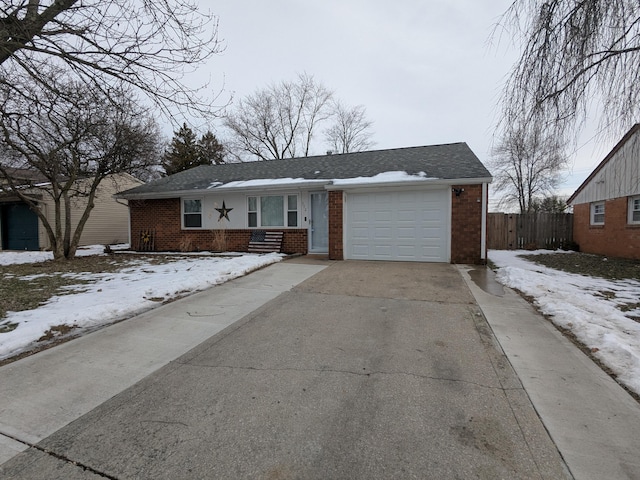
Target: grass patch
56,331
610,268
6,327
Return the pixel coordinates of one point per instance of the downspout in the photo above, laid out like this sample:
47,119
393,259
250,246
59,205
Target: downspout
483,241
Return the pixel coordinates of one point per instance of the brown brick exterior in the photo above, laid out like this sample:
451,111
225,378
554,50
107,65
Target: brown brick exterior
616,238
162,217
466,225
336,205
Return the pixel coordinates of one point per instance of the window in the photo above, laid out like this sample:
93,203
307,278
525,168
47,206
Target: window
252,209
192,213
292,211
269,211
597,213
634,210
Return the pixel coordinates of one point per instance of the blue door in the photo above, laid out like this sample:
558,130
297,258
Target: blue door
19,227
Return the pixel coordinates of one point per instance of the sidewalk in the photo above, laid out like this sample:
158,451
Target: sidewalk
593,421
80,375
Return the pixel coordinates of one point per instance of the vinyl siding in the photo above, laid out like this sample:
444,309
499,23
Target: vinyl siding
618,177
108,222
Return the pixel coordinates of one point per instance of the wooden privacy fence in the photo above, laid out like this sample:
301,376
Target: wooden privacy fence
511,231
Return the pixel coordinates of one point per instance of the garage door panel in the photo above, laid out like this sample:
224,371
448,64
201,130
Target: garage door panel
407,226
383,251
383,233
406,215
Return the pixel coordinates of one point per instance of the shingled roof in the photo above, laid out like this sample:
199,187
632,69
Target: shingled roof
450,161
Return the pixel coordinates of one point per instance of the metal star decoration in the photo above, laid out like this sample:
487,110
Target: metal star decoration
224,212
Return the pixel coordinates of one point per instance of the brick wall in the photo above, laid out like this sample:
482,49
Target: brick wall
466,225
336,250
615,238
162,217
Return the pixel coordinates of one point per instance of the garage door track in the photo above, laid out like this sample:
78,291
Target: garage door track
366,370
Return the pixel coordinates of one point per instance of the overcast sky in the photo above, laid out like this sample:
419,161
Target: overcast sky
426,71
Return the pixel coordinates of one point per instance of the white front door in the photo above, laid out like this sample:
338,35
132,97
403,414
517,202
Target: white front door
319,223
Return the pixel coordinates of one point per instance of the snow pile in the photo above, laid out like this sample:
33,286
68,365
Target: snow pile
589,307
115,296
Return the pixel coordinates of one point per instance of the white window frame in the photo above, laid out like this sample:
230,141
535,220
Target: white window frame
286,211
183,213
593,207
634,207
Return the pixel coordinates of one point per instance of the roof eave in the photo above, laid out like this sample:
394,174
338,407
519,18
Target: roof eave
326,184
606,160
412,183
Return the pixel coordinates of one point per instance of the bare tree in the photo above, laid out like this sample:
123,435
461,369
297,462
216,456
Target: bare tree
149,45
572,53
278,121
351,131
72,138
527,165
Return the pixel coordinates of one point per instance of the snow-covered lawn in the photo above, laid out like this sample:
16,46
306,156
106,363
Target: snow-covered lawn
114,296
591,308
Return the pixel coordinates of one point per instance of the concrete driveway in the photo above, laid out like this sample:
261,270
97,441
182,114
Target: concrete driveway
365,370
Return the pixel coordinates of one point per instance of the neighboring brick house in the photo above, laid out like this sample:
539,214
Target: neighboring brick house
606,207
424,204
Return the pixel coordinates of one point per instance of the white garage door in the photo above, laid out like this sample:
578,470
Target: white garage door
405,226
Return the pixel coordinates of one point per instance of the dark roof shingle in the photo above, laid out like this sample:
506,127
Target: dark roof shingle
450,161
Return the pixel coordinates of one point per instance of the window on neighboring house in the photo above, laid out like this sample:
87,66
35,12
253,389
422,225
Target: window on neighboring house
597,213
634,209
192,213
269,211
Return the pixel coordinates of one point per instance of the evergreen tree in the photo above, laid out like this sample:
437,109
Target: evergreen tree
183,153
211,150
186,151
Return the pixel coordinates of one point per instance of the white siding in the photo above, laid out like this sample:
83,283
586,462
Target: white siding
238,202
618,177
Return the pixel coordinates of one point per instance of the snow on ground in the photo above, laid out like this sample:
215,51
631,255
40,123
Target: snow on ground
115,296
587,306
13,257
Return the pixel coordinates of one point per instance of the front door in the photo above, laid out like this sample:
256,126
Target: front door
319,224
19,227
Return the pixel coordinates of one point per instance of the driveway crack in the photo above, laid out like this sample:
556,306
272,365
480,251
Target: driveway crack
58,456
357,373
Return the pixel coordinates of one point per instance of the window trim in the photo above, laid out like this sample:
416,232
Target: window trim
183,213
285,211
630,210
592,213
